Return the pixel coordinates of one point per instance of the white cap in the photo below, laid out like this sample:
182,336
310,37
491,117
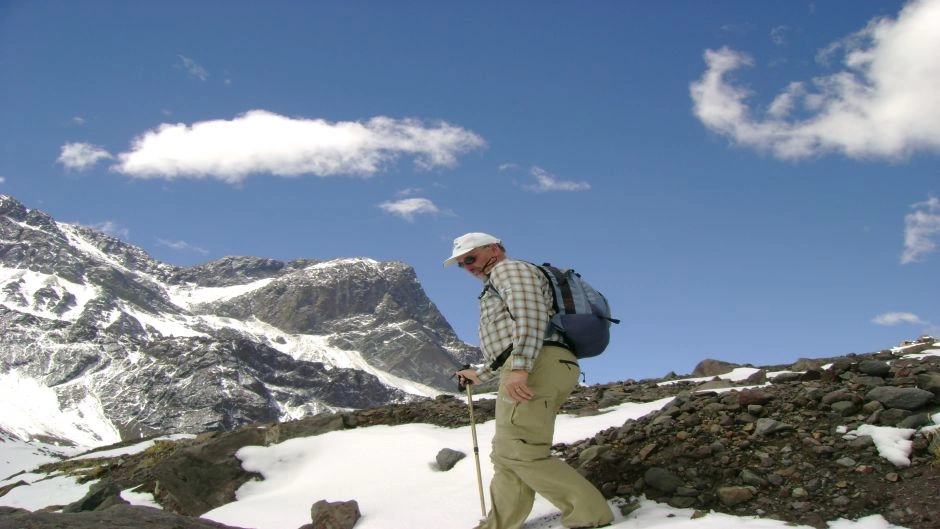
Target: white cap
467,242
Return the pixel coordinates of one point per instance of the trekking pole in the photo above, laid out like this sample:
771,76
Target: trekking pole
476,449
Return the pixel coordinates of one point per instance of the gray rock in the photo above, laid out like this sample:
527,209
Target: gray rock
844,407
116,517
929,382
767,426
593,452
749,477
841,394
903,398
447,458
333,515
662,480
711,367
875,368
100,494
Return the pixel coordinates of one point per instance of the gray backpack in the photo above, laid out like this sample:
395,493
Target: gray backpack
582,314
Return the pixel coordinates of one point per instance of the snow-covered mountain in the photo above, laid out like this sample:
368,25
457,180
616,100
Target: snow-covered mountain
117,345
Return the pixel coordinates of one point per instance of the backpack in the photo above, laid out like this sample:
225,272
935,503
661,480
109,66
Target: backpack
582,314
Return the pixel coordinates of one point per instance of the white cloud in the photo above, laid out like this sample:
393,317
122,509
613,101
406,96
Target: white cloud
897,318
921,230
545,181
883,104
408,208
779,35
81,156
409,191
263,142
194,69
111,228
3,180
182,246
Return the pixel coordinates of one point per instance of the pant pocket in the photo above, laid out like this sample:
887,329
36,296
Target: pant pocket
533,421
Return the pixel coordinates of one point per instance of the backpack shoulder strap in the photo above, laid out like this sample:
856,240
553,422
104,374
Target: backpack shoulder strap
558,280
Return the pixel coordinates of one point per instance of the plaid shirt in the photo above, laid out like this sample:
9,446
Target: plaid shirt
515,306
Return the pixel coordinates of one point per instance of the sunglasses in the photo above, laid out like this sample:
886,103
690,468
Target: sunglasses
467,261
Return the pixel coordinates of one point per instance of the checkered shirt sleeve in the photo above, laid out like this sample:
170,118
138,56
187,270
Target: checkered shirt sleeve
516,314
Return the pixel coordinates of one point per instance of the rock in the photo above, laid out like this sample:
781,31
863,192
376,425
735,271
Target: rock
750,477
711,368
593,452
844,407
893,416
333,515
732,496
929,382
714,384
875,368
903,398
766,426
447,458
915,421
757,378
117,517
804,364
662,480
838,395
749,397
785,378
101,494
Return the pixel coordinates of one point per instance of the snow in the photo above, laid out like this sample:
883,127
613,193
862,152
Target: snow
893,444
390,472
165,324
33,281
316,348
344,262
37,412
17,456
924,354
77,241
735,375
191,295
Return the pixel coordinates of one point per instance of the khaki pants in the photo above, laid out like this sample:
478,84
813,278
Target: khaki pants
521,451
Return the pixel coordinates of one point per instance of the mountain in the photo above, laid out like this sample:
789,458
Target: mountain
125,346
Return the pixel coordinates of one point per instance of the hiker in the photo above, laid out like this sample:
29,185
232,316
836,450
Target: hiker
535,379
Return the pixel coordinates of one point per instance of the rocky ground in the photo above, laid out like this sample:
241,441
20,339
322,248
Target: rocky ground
778,451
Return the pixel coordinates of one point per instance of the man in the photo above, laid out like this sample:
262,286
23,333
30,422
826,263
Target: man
536,375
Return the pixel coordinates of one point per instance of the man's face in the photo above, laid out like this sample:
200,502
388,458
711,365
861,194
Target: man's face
478,261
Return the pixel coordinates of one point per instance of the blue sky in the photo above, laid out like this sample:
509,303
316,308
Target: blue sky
750,181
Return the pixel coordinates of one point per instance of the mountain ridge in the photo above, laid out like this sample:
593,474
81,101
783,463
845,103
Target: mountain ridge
103,325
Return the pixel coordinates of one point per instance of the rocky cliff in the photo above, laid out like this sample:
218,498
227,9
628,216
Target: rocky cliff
133,347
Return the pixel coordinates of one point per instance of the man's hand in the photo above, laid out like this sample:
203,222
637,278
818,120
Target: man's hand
467,375
517,386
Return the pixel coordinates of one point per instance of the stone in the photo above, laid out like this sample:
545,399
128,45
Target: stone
662,480
447,458
333,515
711,367
767,426
875,368
903,398
731,496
